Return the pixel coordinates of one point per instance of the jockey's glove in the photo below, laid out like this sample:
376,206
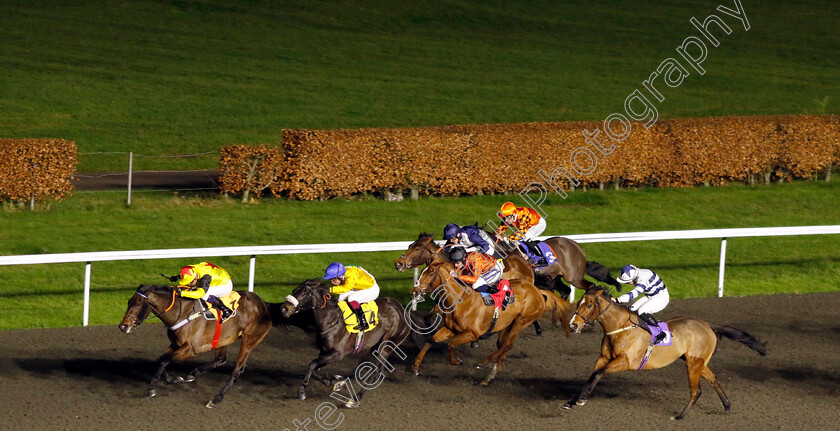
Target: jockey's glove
204,282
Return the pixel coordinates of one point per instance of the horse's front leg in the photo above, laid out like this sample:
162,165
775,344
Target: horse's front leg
462,338
602,366
172,354
219,360
316,364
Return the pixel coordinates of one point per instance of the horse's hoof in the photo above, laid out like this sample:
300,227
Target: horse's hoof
302,395
338,384
176,380
416,372
351,404
210,404
474,344
455,362
151,393
566,406
581,402
484,383
189,379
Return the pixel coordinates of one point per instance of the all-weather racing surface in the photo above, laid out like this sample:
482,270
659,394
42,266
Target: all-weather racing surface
95,378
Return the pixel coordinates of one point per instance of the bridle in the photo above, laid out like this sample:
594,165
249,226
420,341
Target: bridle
587,322
415,261
310,294
149,308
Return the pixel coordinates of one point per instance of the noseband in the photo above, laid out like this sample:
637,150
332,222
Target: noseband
603,310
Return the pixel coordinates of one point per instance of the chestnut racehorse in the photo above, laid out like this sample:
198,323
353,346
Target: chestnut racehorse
625,344
250,322
466,318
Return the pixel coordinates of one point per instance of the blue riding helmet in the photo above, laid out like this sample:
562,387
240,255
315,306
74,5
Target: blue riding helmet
334,270
451,231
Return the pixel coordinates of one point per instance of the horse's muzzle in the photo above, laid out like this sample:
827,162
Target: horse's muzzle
399,266
287,310
126,328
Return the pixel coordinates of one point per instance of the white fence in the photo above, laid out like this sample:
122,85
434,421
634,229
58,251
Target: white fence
90,257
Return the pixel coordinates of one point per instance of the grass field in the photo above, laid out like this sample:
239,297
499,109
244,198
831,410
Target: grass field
51,295
177,77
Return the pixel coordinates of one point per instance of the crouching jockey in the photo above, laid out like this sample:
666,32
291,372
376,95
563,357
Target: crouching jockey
471,237
527,222
655,293
208,282
481,271
354,285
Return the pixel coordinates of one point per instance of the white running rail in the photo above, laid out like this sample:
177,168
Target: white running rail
254,251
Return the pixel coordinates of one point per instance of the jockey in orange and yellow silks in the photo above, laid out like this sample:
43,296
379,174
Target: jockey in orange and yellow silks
208,282
528,223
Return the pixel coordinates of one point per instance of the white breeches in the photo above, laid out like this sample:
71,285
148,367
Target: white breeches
535,231
651,304
219,291
361,296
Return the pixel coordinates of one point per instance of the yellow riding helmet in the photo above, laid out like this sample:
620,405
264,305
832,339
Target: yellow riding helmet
187,275
507,209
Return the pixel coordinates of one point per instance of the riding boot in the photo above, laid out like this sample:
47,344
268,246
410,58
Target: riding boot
535,251
360,315
219,305
651,323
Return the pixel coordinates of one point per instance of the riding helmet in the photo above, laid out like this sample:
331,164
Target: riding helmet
451,231
628,274
457,254
334,270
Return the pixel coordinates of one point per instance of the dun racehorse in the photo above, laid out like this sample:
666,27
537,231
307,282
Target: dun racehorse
250,322
625,344
335,342
466,318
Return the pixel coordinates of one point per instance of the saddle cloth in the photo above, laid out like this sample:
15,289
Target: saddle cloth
231,301
370,309
663,327
502,298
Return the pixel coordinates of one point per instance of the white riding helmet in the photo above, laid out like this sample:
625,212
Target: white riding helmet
628,274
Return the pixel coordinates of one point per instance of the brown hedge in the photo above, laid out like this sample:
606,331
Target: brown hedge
496,158
250,170
36,169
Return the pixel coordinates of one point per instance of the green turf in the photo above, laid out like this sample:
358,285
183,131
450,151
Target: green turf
177,77
51,295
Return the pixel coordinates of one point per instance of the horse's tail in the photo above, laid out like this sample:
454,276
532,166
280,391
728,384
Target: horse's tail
601,273
740,336
561,310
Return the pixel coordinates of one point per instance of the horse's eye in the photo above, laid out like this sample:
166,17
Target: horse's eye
416,248
588,305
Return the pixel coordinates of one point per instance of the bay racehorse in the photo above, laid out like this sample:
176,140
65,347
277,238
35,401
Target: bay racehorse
466,318
250,322
571,264
335,342
625,345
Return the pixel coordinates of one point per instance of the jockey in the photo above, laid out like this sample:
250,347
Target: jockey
655,298
482,271
471,237
527,222
208,282
354,285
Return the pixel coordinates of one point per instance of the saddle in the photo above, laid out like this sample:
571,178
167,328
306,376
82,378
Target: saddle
231,301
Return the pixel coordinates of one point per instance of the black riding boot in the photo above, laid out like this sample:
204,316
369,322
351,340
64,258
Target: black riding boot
534,250
360,315
651,323
226,312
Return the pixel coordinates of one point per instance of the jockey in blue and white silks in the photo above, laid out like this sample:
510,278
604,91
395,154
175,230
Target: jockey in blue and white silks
655,295
471,237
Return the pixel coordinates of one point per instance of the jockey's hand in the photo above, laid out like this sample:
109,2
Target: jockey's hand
453,273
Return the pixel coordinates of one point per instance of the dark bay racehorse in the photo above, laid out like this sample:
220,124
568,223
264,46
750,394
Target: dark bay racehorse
466,318
251,323
335,342
625,343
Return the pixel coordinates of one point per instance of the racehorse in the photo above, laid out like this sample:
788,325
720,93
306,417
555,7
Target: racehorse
335,342
625,345
467,318
250,322
571,264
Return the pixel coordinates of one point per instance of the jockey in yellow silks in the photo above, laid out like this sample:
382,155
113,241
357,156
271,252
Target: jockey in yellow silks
208,282
354,285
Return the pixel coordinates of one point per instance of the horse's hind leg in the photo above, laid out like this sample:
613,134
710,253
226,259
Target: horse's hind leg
315,365
694,366
710,377
250,340
219,360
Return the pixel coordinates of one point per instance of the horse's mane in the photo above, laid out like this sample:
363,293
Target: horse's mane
602,291
424,235
153,288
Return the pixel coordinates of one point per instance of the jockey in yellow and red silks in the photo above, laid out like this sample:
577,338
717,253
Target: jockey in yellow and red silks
208,282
